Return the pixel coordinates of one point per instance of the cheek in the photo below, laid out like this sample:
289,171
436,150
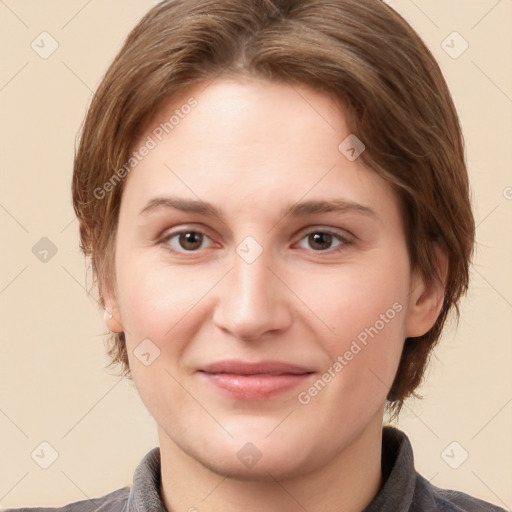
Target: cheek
169,307
353,298
158,301
364,309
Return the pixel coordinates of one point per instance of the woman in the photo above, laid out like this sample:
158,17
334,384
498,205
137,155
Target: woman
275,201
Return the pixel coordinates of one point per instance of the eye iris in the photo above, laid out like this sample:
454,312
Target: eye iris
191,240
320,240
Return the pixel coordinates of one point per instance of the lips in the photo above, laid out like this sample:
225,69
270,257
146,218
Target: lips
254,381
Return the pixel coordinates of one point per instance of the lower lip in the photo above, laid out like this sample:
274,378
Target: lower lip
255,387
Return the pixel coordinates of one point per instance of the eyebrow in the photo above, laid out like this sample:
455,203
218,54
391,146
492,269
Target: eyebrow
299,209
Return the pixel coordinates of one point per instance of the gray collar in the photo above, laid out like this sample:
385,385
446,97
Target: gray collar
145,490
403,490
395,495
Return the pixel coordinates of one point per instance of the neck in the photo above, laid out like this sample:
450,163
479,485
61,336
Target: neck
347,483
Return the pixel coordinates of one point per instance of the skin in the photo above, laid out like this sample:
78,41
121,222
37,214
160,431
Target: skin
253,148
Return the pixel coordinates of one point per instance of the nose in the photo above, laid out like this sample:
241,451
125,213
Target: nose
252,301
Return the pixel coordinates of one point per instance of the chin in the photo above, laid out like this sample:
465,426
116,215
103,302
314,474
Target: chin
254,455
273,465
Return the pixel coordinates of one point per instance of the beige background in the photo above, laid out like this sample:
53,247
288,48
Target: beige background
53,385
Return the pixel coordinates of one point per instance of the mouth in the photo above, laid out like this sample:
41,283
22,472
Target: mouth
254,381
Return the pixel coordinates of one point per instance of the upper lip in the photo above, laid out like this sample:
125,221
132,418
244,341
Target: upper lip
259,368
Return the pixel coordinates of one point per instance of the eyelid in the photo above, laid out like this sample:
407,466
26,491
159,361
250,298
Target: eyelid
341,233
183,228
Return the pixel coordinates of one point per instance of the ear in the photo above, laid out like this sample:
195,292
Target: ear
426,301
111,313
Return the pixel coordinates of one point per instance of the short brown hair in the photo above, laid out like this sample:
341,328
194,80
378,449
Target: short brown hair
360,52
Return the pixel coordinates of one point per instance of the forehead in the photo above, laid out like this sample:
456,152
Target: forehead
243,142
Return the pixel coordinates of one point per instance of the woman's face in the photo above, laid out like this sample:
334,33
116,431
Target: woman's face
263,280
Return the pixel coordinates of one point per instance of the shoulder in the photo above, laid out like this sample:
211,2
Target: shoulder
404,489
113,502
142,495
447,500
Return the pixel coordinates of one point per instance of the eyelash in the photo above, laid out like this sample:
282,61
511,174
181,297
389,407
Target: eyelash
344,241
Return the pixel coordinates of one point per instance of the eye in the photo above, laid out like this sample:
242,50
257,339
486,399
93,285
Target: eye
323,240
186,241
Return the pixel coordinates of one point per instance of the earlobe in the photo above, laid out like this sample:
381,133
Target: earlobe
426,300
111,314
112,321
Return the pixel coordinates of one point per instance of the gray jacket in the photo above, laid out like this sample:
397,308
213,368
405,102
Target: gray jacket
404,490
